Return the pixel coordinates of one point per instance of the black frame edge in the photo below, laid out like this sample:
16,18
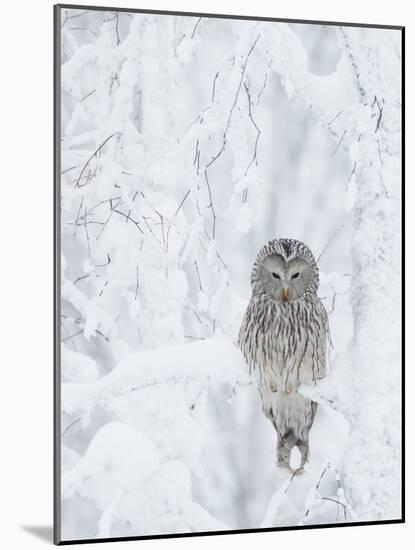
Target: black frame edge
229,16
233,532
403,358
56,275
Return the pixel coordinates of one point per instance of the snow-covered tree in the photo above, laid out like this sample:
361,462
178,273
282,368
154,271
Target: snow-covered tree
186,144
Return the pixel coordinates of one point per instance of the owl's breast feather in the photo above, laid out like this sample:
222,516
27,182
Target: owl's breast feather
285,346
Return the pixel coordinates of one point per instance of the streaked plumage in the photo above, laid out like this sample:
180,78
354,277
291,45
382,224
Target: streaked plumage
283,337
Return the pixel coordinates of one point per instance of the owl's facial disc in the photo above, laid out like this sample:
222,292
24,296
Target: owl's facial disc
285,281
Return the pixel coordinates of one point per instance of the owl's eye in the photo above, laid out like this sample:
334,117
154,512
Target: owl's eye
275,275
295,275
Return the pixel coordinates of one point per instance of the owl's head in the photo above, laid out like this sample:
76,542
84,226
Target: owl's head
285,271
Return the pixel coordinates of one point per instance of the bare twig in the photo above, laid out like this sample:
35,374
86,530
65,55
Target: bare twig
107,337
137,284
87,95
128,218
383,184
339,143
162,227
90,158
380,114
106,263
261,91
70,17
175,214
210,205
68,170
333,302
117,33
108,218
334,118
84,29
214,87
70,426
254,157
195,27
81,278
379,153
228,122
198,277
103,288
77,216
337,502
330,241
351,174
145,218
86,231
72,335
315,491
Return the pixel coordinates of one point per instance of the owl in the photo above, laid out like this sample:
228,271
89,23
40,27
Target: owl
284,339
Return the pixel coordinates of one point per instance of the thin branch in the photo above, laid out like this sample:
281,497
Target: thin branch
70,426
380,114
103,288
334,118
265,82
86,231
84,29
162,227
77,216
195,27
181,204
383,184
90,158
81,278
128,218
175,214
108,218
106,263
70,17
330,241
117,33
137,285
210,205
72,335
351,173
228,122
333,302
315,491
254,157
198,277
214,87
107,337
68,170
145,218
87,95
337,502
339,143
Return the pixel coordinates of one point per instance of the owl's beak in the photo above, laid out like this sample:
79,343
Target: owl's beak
285,294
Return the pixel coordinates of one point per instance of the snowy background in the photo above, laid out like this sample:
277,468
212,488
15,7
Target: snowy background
188,143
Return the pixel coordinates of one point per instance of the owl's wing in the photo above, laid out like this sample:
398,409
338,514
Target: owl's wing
319,342
245,339
309,361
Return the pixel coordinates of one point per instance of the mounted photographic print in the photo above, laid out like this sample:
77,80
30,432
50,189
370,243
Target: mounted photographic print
228,261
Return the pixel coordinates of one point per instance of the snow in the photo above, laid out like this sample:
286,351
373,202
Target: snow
78,367
217,358
244,219
186,145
